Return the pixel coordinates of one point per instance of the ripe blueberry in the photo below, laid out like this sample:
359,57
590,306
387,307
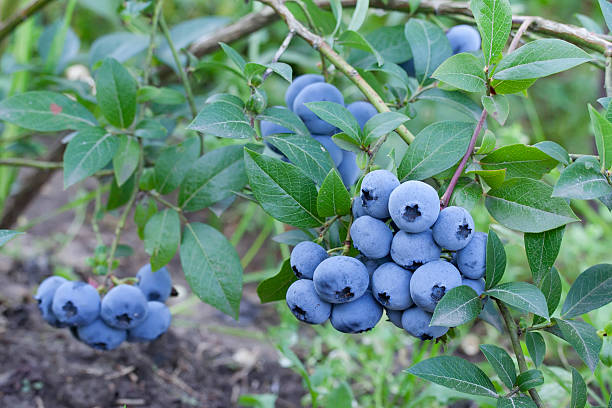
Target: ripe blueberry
358,316
463,38
430,283
391,286
76,303
319,91
305,258
357,208
44,296
305,304
334,151
414,250
362,111
348,168
454,228
341,279
371,237
472,260
408,66
298,84
477,284
154,285
100,336
416,322
376,188
154,325
124,307
414,206
395,317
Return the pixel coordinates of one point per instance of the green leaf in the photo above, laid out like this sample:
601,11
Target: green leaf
429,47
458,306
283,70
436,148
591,290
150,129
359,14
126,158
333,198
588,23
174,162
162,96
275,288
493,178
494,20
497,106
501,362
582,180
536,347
7,235
488,143
463,71
286,118
162,235
526,205
540,58
257,400
495,260
516,402
606,10
456,373
45,112
282,190
467,193
340,397
226,98
116,93
503,87
579,390
519,160
583,338
294,236
551,288
212,267
234,56
456,100
353,39
390,42
522,296
337,115
381,124
306,154
542,249
603,137
119,195
554,150
87,152
344,141
212,178
119,45
223,120
529,379
143,213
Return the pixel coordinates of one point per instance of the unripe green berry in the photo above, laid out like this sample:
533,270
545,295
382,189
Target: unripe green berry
256,102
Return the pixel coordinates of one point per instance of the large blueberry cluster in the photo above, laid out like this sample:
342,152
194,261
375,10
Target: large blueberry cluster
313,88
135,313
411,254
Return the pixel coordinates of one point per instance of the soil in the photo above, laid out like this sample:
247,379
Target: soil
205,360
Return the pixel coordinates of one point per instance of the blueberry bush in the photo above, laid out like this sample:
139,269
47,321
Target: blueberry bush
381,200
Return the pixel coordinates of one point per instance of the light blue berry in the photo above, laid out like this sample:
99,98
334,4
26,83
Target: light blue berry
154,285
44,296
341,279
298,84
472,260
76,303
430,283
334,151
358,316
362,111
154,325
100,336
416,322
391,286
414,206
414,250
124,307
454,228
305,304
305,258
316,92
376,188
371,237
463,38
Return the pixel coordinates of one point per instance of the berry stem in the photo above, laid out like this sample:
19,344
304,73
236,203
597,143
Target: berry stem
516,346
453,183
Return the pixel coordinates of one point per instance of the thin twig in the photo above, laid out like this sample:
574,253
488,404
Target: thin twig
453,183
37,164
149,58
519,33
283,47
608,72
13,22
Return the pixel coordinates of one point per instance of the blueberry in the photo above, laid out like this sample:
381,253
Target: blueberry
334,151
477,284
319,91
341,279
454,228
357,208
395,317
371,237
472,260
155,285
305,304
376,188
76,303
391,286
348,168
431,281
358,316
372,264
362,111
44,296
414,206
305,258
154,325
416,322
298,84
408,66
411,251
463,38
124,307
271,128
100,336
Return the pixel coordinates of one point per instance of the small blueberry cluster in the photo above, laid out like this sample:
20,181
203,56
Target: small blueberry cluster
313,88
133,313
403,238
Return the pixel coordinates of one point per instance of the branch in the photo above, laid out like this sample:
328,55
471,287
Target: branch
324,48
12,22
519,33
279,53
19,162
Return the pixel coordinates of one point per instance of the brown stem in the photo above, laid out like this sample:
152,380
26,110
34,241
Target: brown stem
12,22
279,53
453,183
519,33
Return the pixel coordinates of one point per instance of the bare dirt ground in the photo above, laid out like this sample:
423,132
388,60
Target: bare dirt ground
200,362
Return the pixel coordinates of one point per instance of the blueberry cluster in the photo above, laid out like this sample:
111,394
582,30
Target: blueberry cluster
133,313
411,254
313,88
